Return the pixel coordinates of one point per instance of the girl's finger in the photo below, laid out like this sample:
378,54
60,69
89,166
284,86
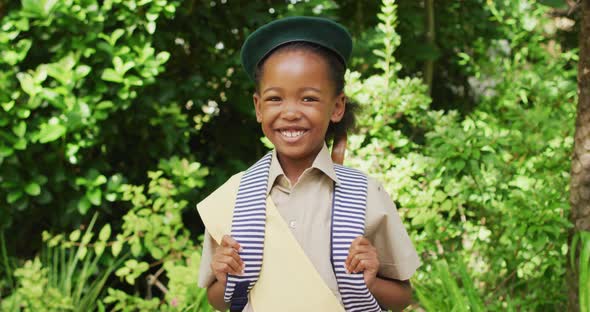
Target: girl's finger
357,243
228,241
363,263
360,240
225,268
236,267
360,267
228,251
364,241
356,249
355,261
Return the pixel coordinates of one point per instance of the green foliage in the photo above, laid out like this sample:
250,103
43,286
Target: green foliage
76,268
583,239
34,293
69,275
69,69
443,291
137,109
487,188
153,229
125,302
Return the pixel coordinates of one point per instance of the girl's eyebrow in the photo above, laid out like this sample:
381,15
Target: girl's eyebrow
278,89
272,89
311,89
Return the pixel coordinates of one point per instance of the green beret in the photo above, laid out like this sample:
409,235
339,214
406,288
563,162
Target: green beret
321,31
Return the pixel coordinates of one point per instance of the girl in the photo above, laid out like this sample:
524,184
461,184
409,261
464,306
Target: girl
297,232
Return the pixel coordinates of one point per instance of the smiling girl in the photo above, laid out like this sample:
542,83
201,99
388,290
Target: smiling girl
296,231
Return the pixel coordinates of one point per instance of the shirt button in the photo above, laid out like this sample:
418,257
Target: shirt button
292,224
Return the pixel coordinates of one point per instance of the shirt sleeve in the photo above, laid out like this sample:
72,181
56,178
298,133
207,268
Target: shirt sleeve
206,275
384,228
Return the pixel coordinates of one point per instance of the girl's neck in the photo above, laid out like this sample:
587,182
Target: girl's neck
293,168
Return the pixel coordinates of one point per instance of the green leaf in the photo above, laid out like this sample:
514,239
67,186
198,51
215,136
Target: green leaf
111,197
142,267
13,196
105,232
100,180
105,105
8,106
439,196
87,237
33,189
38,8
116,248
94,196
28,84
133,80
60,72
51,132
130,279
82,71
75,235
116,35
23,113
118,63
163,57
99,248
446,205
151,27
151,16
20,144
83,205
82,252
110,74
20,129
5,151
156,252
136,249
124,271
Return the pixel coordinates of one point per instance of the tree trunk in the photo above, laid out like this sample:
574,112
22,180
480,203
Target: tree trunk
580,172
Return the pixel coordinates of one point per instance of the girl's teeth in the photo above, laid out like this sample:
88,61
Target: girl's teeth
292,134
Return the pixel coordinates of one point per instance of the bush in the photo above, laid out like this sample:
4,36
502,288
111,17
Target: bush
488,188
134,110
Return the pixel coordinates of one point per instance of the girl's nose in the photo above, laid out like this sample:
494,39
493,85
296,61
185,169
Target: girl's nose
291,110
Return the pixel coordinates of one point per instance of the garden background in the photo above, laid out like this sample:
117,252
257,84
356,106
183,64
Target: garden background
118,116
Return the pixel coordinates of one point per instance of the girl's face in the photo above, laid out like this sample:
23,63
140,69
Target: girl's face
295,104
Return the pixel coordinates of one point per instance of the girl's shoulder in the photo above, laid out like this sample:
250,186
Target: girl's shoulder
373,184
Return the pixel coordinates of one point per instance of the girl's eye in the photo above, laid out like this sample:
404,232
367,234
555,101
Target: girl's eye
309,99
273,99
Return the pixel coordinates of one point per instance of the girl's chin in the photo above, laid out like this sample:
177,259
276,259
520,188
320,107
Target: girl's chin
295,153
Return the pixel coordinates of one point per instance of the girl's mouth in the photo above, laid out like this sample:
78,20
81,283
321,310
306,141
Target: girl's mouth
292,135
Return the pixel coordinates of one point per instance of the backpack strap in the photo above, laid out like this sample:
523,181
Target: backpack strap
248,224
348,222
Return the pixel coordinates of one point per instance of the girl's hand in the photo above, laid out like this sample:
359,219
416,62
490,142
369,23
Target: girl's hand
362,257
226,259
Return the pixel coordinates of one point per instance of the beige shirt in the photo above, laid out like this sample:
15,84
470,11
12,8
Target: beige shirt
306,207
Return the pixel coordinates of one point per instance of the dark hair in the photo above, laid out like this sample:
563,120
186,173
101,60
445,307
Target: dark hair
337,70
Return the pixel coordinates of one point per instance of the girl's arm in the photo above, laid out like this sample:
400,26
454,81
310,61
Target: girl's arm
215,296
392,294
226,260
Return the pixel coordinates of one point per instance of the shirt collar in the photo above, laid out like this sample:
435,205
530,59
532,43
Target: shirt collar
323,162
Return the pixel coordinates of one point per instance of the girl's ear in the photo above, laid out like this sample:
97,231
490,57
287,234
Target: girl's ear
257,102
339,108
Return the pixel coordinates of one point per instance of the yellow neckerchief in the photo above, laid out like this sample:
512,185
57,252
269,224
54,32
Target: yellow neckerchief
288,280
